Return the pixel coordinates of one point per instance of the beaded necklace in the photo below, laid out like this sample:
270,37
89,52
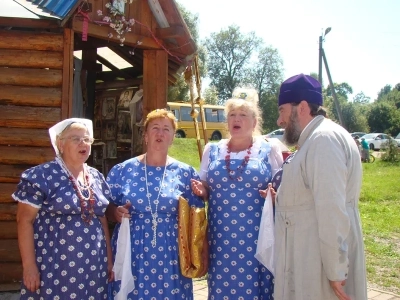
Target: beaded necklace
154,215
86,203
240,168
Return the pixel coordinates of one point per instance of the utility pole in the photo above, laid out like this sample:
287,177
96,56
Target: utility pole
323,57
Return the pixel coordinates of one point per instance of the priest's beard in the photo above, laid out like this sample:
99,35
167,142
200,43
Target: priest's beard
292,129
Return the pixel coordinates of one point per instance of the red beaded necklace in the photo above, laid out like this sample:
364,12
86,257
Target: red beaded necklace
86,203
240,168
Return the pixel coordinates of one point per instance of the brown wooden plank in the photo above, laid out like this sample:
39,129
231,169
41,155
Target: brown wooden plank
10,272
30,96
12,173
155,79
28,40
8,230
6,189
119,84
10,287
24,137
25,155
101,32
9,251
67,74
29,23
8,211
28,117
30,77
30,59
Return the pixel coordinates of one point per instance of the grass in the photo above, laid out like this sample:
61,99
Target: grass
379,209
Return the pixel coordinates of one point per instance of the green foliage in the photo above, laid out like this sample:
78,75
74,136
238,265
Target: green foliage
343,89
210,95
180,90
229,53
353,118
384,117
384,91
392,153
361,98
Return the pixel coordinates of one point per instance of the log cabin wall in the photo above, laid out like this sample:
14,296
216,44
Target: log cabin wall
36,86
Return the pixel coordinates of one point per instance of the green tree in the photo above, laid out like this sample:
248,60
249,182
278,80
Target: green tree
353,118
343,89
229,53
210,95
384,117
180,90
361,98
384,91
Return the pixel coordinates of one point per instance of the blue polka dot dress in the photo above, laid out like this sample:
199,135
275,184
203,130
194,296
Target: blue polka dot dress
71,255
156,269
235,207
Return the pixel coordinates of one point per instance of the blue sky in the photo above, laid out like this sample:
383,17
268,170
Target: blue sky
362,49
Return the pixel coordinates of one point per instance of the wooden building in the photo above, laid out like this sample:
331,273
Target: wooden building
39,79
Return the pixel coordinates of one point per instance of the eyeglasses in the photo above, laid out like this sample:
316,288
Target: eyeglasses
77,139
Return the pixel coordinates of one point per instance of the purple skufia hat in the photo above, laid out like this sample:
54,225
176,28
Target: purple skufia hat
300,87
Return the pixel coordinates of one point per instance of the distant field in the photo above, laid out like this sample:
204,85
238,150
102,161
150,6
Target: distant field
380,214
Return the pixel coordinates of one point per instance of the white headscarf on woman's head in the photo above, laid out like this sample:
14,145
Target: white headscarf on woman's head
60,126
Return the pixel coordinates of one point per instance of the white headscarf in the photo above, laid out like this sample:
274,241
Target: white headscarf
60,126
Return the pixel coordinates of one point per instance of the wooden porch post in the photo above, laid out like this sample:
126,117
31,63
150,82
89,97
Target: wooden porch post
155,80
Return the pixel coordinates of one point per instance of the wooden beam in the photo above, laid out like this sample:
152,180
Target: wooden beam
10,272
30,77
8,229
119,84
29,23
67,74
30,96
12,173
29,117
30,59
24,137
25,155
8,212
155,80
8,251
170,32
28,40
6,189
101,32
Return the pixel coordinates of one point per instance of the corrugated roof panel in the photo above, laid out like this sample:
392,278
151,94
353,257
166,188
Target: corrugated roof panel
60,8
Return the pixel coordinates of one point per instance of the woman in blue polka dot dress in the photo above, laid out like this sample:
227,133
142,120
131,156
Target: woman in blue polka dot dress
232,174
146,189
62,231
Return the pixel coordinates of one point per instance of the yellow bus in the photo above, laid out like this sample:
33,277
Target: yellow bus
215,120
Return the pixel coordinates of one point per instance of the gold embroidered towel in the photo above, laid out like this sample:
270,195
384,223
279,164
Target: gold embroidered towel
192,240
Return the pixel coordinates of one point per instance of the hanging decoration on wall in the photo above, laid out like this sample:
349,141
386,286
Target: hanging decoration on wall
115,18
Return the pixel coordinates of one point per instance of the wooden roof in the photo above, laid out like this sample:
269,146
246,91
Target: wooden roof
175,39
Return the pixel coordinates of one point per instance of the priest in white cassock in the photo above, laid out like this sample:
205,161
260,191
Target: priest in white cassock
318,239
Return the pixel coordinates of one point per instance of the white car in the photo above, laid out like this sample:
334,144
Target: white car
397,139
277,134
378,141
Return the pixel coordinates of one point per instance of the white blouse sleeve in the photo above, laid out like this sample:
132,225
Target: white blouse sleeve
204,162
275,157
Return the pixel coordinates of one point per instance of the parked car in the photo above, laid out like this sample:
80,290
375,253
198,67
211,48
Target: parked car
278,134
359,134
378,141
397,139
